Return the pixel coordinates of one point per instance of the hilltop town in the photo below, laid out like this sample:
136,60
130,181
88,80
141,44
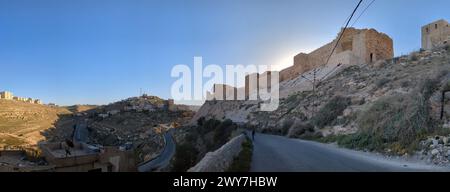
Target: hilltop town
114,137
10,96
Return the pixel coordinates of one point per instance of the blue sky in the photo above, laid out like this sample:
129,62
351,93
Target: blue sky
97,51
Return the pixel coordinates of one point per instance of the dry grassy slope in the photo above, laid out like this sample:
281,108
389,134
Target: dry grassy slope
81,108
363,84
21,123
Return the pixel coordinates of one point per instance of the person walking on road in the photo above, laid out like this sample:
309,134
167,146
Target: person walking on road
253,134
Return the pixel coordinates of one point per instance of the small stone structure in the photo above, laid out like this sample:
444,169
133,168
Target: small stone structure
435,34
221,159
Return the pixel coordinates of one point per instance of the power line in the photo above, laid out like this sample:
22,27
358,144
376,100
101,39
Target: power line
356,20
362,12
331,54
343,31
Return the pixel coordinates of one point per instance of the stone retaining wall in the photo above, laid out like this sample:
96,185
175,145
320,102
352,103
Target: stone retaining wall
221,159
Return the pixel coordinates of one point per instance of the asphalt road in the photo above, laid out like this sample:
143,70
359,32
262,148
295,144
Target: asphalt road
280,154
163,159
81,133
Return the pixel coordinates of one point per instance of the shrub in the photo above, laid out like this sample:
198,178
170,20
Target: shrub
405,83
222,133
200,121
300,128
381,82
446,86
428,87
400,119
185,157
360,141
328,113
208,125
414,57
242,162
286,125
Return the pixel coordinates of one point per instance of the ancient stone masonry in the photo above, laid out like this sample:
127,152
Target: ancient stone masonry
357,46
435,34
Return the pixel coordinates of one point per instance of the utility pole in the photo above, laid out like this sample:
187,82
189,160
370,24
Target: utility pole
331,54
443,103
314,92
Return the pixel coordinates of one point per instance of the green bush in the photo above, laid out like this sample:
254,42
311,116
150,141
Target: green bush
242,162
185,157
286,125
328,113
360,141
300,128
223,132
414,57
402,120
446,86
381,82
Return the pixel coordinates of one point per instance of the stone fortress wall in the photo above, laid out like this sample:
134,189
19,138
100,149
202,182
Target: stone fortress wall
357,46
435,34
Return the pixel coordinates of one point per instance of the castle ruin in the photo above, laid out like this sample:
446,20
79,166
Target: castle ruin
435,34
357,46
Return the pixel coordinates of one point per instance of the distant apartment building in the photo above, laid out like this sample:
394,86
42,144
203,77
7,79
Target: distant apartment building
15,98
435,34
10,96
30,100
6,95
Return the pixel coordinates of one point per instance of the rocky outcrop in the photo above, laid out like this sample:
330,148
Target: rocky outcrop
435,150
221,159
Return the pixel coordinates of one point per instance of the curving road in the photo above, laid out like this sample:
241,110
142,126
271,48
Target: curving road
163,159
81,133
280,154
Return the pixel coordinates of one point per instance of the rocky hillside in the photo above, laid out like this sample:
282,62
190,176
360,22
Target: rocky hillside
21,124
81,108
137,123
387,106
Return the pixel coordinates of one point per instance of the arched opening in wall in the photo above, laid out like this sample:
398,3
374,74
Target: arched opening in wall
371,57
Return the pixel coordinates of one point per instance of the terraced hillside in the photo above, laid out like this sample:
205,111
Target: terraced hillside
21,123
